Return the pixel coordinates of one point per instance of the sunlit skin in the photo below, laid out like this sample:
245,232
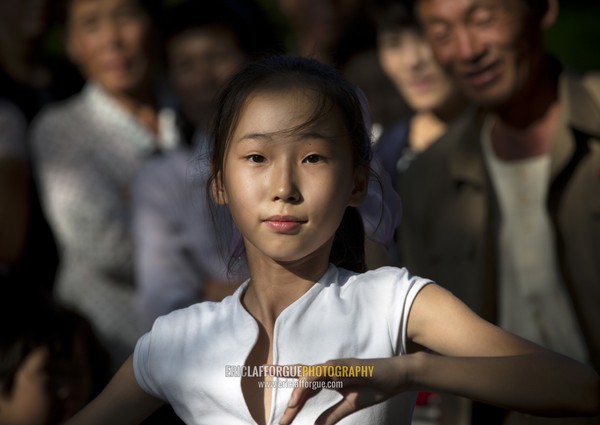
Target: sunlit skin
287,179
108,39
200,62
287,191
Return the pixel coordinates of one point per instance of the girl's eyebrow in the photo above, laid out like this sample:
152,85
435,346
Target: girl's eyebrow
256,136
301,135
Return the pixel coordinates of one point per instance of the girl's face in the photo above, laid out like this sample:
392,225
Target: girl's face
407,59
107,39
287,188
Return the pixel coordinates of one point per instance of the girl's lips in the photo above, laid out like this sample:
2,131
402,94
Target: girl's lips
284,224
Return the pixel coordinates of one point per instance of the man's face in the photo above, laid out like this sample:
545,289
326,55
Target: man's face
483,44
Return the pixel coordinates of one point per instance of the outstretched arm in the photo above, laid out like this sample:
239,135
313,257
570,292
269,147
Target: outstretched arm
476,360
122,402
483,362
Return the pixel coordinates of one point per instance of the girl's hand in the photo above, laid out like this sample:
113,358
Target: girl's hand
387,377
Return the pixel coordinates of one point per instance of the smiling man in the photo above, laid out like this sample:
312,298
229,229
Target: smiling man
505,209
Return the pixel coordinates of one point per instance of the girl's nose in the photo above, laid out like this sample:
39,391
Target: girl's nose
285,187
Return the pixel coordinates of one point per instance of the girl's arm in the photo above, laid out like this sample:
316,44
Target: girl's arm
478,360
122,402
482,362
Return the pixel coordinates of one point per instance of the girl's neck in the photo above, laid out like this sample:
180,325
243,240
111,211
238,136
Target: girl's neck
274,286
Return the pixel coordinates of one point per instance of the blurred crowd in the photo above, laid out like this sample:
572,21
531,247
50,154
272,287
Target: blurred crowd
106,223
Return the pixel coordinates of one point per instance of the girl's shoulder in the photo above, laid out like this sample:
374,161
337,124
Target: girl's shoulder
389,275
205,314
383,283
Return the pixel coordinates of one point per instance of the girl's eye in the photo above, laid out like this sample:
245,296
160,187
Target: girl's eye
313,159
256,158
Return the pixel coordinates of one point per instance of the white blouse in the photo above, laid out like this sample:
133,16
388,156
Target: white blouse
184,359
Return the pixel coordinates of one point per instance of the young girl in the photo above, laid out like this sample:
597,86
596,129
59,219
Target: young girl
291,156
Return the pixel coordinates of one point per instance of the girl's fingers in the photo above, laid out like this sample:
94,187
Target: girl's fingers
355,399
297,400
297,396
336,413
354,389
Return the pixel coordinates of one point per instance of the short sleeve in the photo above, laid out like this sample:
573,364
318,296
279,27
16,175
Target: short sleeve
415,284
153,356
163,357
388,293
141,366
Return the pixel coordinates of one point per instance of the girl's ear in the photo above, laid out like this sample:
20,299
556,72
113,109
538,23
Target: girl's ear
218,190
361,184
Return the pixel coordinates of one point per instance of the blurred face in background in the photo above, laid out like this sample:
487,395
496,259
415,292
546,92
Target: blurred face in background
408,61
22,24
109,40
488,46
200,62
323,21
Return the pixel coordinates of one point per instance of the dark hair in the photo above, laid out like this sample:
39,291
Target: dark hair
61,11
538,8
283,73
247,21
394,15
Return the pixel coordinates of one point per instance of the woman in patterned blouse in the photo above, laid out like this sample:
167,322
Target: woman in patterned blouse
88,148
